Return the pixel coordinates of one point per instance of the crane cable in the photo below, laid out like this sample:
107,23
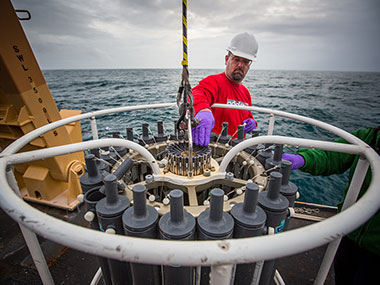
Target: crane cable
184,92
186,120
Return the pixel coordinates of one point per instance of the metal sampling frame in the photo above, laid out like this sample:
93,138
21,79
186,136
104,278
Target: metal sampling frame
220,255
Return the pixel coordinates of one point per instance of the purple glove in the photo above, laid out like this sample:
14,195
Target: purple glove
296,160
201,133
250,125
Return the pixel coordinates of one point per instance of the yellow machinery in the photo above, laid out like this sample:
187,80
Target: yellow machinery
27,104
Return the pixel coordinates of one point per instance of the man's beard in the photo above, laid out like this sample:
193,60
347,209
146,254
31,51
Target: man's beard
238,75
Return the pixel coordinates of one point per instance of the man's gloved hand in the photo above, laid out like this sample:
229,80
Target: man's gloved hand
250,125
297,160
201,133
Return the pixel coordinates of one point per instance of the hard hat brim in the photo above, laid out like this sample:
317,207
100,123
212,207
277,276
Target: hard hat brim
242,54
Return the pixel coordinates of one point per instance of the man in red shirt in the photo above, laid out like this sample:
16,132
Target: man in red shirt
226,88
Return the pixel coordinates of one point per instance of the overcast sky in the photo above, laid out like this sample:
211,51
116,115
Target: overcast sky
292,34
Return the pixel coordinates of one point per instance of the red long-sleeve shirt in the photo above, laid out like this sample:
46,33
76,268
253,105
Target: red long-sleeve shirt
218,89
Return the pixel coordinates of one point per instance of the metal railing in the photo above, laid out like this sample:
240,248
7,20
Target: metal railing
219,254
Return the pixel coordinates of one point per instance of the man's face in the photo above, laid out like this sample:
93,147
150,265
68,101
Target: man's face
236,68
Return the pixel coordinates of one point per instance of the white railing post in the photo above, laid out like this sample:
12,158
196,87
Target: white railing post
352,195
271,124
221,274
94,128
31,239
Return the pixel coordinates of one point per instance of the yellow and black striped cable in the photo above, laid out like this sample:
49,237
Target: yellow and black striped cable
184,32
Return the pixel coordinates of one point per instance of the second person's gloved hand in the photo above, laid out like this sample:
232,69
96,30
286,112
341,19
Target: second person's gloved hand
297,160
201,133
250,125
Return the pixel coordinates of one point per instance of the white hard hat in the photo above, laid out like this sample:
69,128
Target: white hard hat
244,45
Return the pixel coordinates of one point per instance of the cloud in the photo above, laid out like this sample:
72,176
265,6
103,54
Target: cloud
292,34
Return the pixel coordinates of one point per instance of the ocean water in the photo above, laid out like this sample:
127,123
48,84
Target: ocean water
348,100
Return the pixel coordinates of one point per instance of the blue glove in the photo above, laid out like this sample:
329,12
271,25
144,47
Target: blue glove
297,160
250,125
201,133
